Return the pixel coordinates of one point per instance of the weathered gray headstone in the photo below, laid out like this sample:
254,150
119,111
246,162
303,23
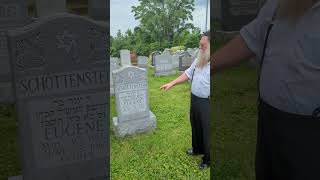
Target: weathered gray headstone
61,82
163,65
175,61
185,62
142,62
114,65
98,10
13,14
132,100
50,7
166,52
153,55
125,58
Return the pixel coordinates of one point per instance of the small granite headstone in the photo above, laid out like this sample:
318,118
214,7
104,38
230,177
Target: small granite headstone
61,82
143,62
175,61
125,58
185,62
153,55
132,102
163,65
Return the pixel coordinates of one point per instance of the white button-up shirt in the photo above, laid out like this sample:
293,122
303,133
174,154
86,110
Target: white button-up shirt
200,86
290,77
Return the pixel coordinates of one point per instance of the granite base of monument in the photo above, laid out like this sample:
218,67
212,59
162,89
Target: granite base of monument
167,73
134,126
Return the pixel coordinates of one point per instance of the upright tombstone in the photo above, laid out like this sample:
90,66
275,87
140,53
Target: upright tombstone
175,61
13,14
185,62
166,52
114,65
153,55
61,84
143,62
98,10
234,14
163,65
132,102
50,7
125,58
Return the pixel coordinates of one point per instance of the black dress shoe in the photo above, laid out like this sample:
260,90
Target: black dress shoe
191,152
204,165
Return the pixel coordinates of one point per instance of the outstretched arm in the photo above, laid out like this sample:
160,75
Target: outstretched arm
182,78
232,54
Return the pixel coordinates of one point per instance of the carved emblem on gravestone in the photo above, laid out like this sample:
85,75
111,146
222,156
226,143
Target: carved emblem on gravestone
98,40
69,43
8,10
30,53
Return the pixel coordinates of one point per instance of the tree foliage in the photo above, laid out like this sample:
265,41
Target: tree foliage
163,24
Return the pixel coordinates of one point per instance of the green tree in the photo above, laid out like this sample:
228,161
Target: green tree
162,19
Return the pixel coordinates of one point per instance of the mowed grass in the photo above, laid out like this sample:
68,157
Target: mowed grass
160,154
234,116
9,159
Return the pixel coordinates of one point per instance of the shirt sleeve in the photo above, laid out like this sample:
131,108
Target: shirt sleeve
190,71
254,32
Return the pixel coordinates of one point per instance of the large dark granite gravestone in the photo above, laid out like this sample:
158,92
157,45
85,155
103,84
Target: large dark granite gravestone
61,83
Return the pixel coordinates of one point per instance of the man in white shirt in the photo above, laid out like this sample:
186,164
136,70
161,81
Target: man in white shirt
199,74
285,38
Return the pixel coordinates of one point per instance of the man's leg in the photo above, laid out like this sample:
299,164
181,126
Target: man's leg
195,126
205,126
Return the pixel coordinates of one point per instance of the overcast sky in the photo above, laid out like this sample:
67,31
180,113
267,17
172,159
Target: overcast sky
122,18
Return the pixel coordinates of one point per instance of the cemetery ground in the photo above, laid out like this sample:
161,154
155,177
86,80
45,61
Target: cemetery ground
234,123
160,154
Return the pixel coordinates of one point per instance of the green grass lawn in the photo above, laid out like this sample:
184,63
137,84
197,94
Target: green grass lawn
160,154
9,160
234,123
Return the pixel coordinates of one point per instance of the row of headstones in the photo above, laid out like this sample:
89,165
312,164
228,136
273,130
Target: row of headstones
166,63
54,70
124,61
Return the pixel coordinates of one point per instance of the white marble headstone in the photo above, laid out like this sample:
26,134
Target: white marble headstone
125,58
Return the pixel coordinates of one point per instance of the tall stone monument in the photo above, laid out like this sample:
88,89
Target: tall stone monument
132,102
61,84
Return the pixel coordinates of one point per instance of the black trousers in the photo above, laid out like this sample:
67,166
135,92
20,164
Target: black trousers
288,145
200,118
